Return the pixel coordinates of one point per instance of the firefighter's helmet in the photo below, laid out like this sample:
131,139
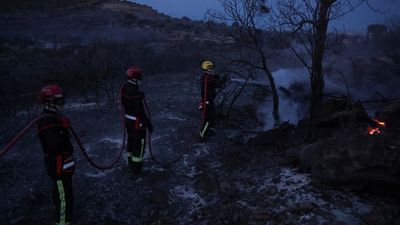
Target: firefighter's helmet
207,65
134,72
52,93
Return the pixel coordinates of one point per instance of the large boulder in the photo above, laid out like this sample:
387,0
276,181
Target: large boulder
360,161
336,112
281,137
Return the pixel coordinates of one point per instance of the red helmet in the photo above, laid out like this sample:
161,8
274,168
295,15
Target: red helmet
134,72
52,92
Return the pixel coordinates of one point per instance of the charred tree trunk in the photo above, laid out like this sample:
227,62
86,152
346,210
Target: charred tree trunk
275,99
317,75
275,96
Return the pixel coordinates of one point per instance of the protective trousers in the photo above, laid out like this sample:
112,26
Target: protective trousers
135,147
63,200
209,120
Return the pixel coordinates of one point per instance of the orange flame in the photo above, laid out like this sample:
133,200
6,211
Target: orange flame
373,131
380,123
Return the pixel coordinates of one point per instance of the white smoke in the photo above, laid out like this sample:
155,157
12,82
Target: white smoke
292,108
289,109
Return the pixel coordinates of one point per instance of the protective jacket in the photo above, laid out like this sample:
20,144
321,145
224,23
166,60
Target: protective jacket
132,101
60,165
213,82
209,84
136,122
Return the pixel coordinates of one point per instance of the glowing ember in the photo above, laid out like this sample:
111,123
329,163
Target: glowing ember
380,123
373,131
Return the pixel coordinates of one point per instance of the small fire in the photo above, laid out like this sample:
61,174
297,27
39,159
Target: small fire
380,123
375,130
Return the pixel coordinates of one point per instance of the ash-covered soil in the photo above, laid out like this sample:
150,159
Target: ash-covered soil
220,181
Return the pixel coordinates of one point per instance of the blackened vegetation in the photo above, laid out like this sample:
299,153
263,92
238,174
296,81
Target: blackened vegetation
92,71
8,6
345,154
248,43
227,180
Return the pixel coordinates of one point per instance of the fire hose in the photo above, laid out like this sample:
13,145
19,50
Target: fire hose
74,134
83,150
18,136
189,146
76,137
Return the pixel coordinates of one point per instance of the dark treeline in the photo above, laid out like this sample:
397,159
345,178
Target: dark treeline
7,5
91,71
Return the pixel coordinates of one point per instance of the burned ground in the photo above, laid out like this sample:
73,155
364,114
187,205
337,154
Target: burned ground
221,181
242,175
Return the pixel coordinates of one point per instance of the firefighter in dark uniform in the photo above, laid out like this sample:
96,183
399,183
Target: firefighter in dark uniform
209,84
58,151
136,120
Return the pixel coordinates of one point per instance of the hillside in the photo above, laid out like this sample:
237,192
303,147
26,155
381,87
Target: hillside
28,5
17,5
85,21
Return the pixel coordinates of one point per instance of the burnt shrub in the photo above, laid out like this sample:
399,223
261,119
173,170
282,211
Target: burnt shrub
92,71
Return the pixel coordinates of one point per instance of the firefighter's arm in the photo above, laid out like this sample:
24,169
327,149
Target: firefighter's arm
141,112
215,81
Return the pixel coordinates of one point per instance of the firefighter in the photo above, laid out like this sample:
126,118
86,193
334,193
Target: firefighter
209,83
58,151
136,120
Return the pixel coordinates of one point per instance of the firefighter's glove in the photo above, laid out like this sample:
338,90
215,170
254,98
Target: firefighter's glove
65,122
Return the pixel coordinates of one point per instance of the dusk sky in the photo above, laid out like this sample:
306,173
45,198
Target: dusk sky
358,20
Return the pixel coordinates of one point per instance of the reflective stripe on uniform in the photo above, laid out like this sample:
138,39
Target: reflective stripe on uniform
204,129
136,159
140,158
130,117
61,195
68,165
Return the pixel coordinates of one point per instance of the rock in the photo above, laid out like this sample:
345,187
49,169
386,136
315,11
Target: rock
335,112
358,161
281,136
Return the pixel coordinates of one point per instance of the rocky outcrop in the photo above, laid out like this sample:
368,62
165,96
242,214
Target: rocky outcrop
283,137
335,112
362,162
